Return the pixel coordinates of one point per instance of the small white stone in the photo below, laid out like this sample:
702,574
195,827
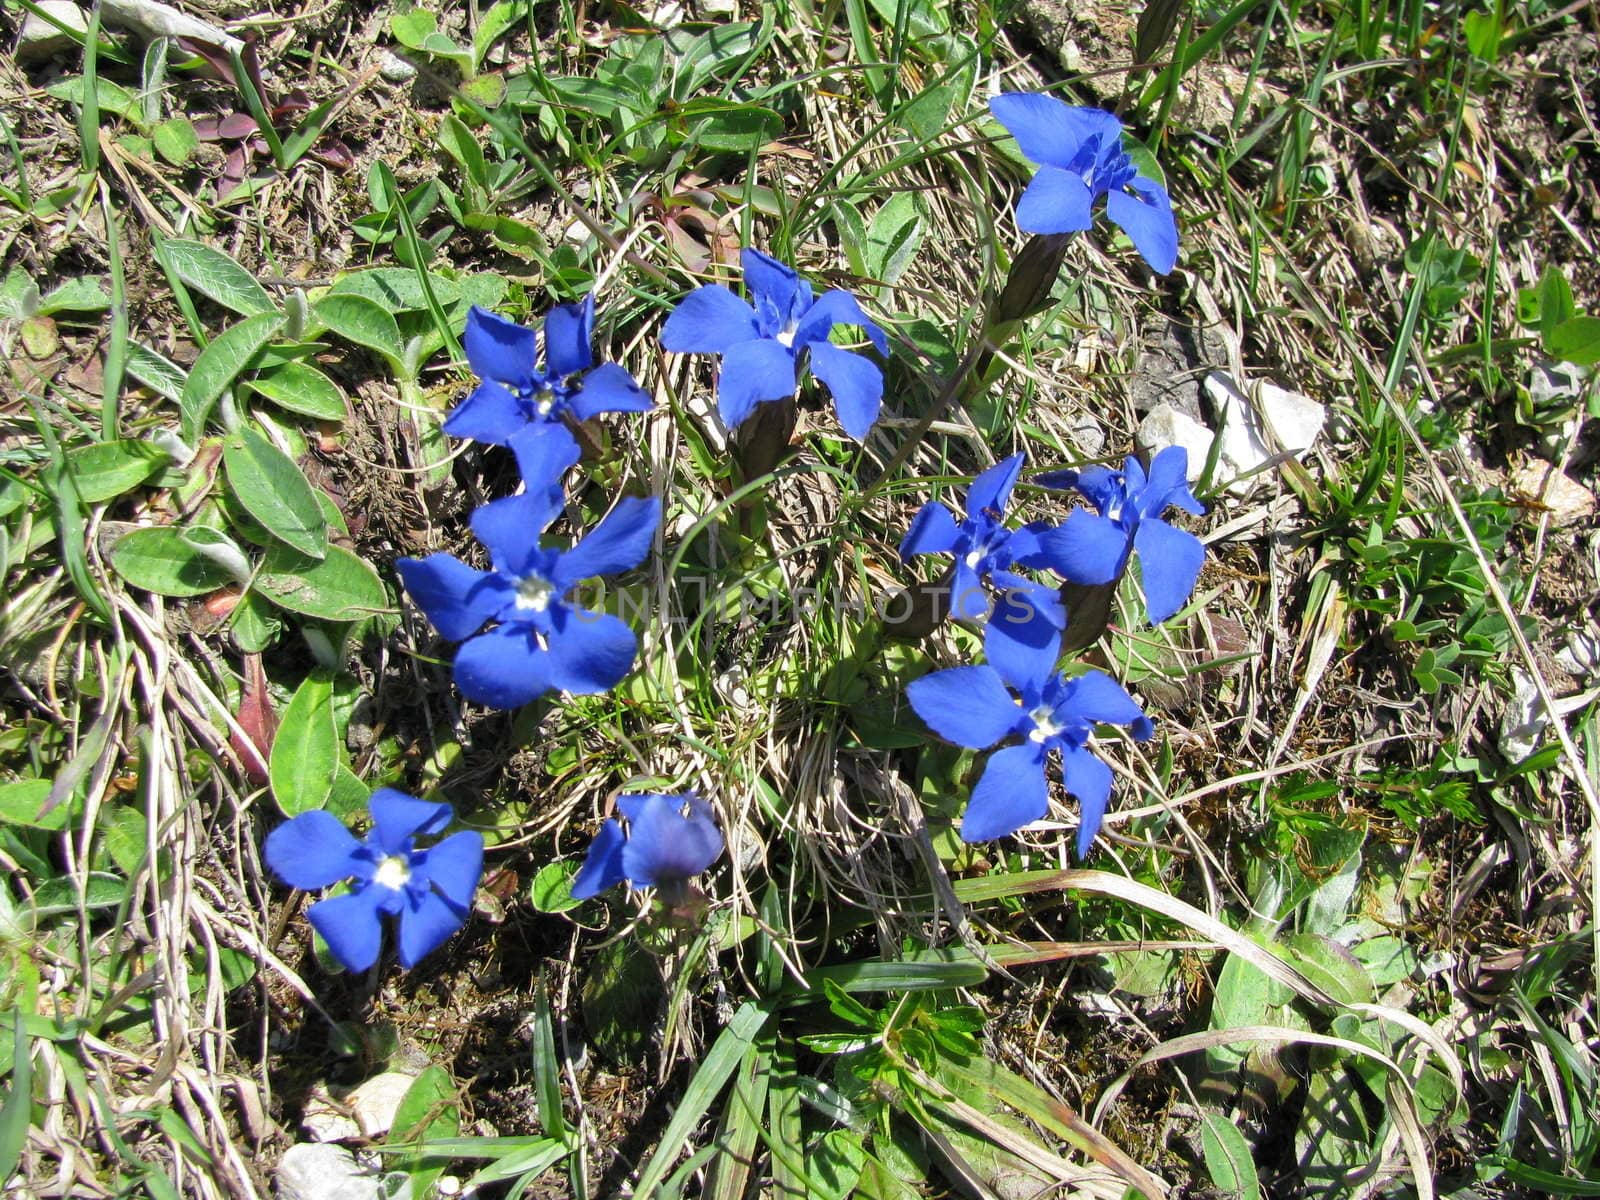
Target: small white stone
719,9
1294,422
394,68
1524,720
311,1171
1167,426
1550,383
375,1102
39,39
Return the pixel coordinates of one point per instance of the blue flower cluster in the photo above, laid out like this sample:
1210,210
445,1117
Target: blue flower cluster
1020,693
524,633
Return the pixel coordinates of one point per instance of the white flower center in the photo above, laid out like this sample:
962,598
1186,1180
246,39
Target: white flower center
535,593
1045,726
394,872
785,338
975,557
544,401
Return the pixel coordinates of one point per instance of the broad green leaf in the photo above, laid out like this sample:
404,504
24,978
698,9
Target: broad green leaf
20,804
1228,1159
349,795
461,144
1240,1000
341,587
488,91
395,288
125,832
58,896
1483,31
893,237
163,560
86,293
1554,300
111,97
215,276
255,623
1575,340
428,1110
298,387
364,322
412,27
306,755
493,25
274,491
552,888
219,365
175,140
162,376
104,470
703,57
723,125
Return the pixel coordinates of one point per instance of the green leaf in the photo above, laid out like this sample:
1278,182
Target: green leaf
16,1112
306,755
255,623
339,588
274,491
1575,340
461,144
104,470
893,237
1483,34
59,896
175,140
298,387
20,804
1240,1001
396,289
709,54
493,25
1555,304
125,832
86,293
552,888
488,91
219,365
162,376
215,276
365,323
413,27
428,1110
163,560
1228,1159
349,796
726,126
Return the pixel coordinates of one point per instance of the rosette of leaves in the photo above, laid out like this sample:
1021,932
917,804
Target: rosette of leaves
284,129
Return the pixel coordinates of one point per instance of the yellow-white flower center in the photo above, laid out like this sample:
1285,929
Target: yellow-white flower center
394,872
535,593
785,338
544,401
1044,724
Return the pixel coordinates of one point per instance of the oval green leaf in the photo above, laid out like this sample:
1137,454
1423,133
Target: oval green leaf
305,751
364,322
339,588
300,388
163,561
104,470
275,492
212,273
219,365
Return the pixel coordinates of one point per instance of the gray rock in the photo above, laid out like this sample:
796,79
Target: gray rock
312,1171
394,68
1166,426
40,39
1258,426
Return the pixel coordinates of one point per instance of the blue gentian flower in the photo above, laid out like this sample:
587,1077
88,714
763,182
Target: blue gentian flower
984,549
1081,157
430,890
515,393
541,639
1093,549
761,341
668,839
974,707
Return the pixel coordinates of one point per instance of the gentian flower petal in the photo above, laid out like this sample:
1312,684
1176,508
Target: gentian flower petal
602,866
544,451
1086,548
752,372
932,531
312,851
1095,696
969,599
837,307
1169,484
1023,649
991,491
455,865
770,280
456,598
969,706
608,388
1051,131
665,846
503,668
1169,563
589,652
499,349
490,415
568,330
1147,220
709,320
1056,201
1089,780
351,925
425,923
619,543
1012,793
397,818
510,528
856,384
